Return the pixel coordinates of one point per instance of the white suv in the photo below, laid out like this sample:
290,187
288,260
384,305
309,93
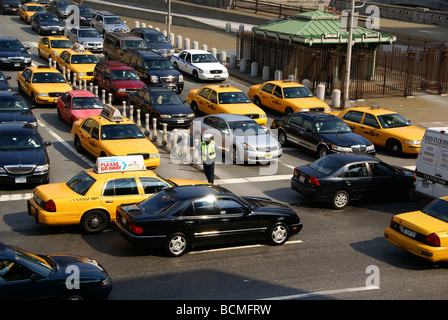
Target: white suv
106,22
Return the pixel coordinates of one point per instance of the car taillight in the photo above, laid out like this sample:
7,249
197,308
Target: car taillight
433,240
296,174
312,180
135,228
50,206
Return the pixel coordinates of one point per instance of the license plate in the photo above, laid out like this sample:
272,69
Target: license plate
123,220
20,179
180,121
302,178
16,64
217,77
408,232
268,156
52,31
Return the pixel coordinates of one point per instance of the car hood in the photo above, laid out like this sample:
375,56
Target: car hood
83,67
52,87
173,109
4,85
51,24
84,113
422,222
346,139
265,140
84,265
129,84
268,206
241,108
308,103
210,66
186,182
25,157
14,54
408,132
17,116
128,146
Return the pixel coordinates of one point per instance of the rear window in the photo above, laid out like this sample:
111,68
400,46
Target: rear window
158,203
325,165
81,183
437,209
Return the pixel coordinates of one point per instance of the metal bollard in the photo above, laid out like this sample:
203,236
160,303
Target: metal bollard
91,87
138,122
164,134
154,129
147,122
110,98
95,90
103,96
195,152
84,84
74,81
50,62
131,112
124,109
63,72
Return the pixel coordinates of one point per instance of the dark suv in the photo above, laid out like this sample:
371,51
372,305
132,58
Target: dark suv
116,42
155,40
154,69
117,78
321,132
164,105
13,54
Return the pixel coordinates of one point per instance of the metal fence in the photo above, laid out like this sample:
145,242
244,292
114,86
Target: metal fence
268,7
389,70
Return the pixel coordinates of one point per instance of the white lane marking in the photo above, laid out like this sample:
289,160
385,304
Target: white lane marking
241,247
322,293
13,197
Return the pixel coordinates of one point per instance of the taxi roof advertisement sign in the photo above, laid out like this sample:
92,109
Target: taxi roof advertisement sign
115,164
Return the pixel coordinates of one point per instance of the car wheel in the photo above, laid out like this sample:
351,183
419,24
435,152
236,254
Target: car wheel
278,234
194,107
235,155
282,138
78,145
288,110
59,114
394,147
175,66
74,295
257,102
340,199
322,151
176,245
94,221
195,76
33,98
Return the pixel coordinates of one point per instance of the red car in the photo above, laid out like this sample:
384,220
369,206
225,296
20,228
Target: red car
117,78
78,104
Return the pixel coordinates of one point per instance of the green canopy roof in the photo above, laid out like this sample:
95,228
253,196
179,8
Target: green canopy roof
318,27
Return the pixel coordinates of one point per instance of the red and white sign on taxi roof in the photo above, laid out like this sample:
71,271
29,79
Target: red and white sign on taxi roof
119,163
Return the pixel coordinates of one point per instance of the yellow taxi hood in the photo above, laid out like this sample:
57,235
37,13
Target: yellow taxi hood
308,103
421,222
51,87
408,132
186,182
241,108
55,191
83,67
128,146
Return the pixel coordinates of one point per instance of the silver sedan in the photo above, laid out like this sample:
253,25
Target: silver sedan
88,37
245,139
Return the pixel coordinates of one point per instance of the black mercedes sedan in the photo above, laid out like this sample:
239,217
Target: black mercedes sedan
180,218
323,133
23,155
47,23
24,276
340,178
14,108
13,54
164,105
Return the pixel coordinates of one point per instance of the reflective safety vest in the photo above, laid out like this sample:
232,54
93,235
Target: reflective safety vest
208,150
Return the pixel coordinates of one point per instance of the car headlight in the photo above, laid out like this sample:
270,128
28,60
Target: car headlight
412,141
341,149
370,148
190,115
42,94
263,115
247,146
81,73
42,169
154,79
121,90
2,170
154,155
26,60
302,109
44,28
4,59
165,116
181,78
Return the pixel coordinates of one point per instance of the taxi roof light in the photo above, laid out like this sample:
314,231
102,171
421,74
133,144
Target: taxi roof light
78,47
111,113
224,85
287,80
375,107
119,164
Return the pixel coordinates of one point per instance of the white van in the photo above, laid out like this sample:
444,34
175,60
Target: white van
432,165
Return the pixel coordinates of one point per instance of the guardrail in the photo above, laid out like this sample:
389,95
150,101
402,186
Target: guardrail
269,7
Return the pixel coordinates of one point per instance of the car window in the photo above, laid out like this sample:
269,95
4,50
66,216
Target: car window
152,185
393,121
296,92
95,134
307,124
210,121
233,97
121,187
213,97
437,209
205,93
81,183
204,207
380,170
268,87
278,92
230,206
87,125
296,119
121,131
356,171
370,120
354,116
221,125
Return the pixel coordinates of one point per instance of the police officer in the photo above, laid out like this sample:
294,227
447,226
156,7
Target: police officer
208,150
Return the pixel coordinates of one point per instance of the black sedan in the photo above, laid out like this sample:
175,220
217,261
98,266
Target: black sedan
321,132
47,23
340,178
14,108
23,155
24,276
185,217
13,54
162,104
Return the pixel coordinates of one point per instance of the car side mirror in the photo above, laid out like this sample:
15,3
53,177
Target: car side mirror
35,277
8,77
47,143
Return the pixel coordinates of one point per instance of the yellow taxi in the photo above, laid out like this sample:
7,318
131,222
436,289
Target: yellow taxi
111,134
286,96
42,84
423,233
223,98
51,46
90,198
384,128
28,9
79,61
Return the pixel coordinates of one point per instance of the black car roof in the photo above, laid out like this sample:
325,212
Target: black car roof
144,52
10,94
147,30
317,115
352,157
14,127
194,191
6,251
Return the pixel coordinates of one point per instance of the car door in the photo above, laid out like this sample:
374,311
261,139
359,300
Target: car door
357,179
94,141
298,130
385,182
265,95
120,191
353,120
370,129
25,81
181,62
44,48
66,100
84,133
202,99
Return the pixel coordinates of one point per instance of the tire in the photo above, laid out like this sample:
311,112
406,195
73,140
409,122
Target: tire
176,245
78,145
195,76
257,102
235,155
394,147
340,199
33,99
175,66
282,138
278,234
94,221
322,151
74,295
194,107
288,110
59,114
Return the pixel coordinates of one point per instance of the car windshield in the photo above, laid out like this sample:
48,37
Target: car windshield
89,33
13,104
325,165
34,262
121,131
129,44
113,20
246,128
158,64
203,58
158,203
61,44
84,59
332,126
393,121
11,45
35,9
233,97
20,141
81,183
156,38
86,10
124,75
165,99
62,5
296,92
48,18
48,77
86,103
437,209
